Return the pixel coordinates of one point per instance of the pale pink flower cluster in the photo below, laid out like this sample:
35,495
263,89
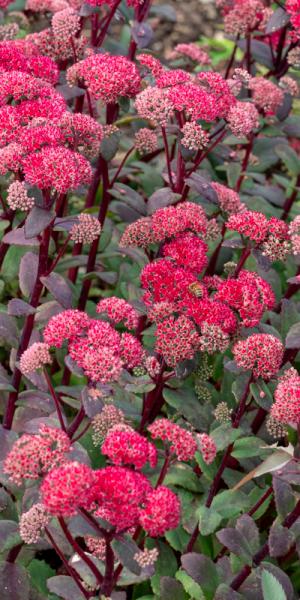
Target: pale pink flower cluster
182,442
289,85
153,104
150,62
260,353
192,51
294,231
194,136
9,31
271,234
244,17
146,141
86,230
139,233
213,339
35,357
152,366
18,198
176,339
286,408
146,558
32,455
96,545
243,118
82,133
119,310
207,447
266,95
65,24
33,523
229,200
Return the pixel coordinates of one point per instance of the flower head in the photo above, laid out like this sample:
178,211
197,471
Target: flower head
32,455
65,326
86,230
176,339
182,441
146,141
35,357
154,105
57,168
127,447
286,408
18,198
207,447
194,136
229,200
104,421
33,523
261,353
119,310
266,94
243,118
138,234
67,488
188,251
161,512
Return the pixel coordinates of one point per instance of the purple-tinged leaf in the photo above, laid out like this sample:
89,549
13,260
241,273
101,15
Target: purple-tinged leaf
280,540
263,261
91,406
17,237
142,34
14,583
278,19
160,199
7,440
283,579
37,221
249,530
285,108
9,535
48,310
233,243
284,497
28,272
202,570
170,589
199,184
58,287
118,596
37,400
225,592
292,340
18,308
64,587
65,223
8,330
72,366
236,543
259,51
295,280
274,194
87,10
130,197
125,548
109,146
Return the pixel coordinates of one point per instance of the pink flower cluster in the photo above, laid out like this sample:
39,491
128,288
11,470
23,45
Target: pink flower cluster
207,447
122,497
286,408
106,77
124,446
32,455
119,310
182,443
260,353
35,357
272,235
95,346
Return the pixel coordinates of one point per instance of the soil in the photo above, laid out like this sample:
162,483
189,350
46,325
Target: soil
195,18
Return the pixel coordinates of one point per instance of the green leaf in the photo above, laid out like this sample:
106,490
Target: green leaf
209,520
271,587
166,564
230,503
249,446
177,538
186,403
183,475
224,435
9,535
191,587
39,572
289,158
203,571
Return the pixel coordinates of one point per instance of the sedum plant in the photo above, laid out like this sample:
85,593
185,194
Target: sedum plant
150,335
